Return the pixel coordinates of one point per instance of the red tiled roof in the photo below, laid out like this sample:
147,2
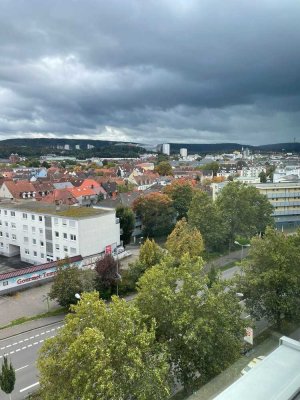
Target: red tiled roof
16,188
36,268
62,195
81,191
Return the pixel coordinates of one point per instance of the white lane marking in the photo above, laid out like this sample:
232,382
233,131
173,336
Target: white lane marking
31,337
18,350
29,387
19,369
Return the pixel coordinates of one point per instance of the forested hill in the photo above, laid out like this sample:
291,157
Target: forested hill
229,147
38,147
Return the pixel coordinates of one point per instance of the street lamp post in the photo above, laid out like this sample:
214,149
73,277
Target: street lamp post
242,246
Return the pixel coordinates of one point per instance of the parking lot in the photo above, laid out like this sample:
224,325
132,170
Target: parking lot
8,264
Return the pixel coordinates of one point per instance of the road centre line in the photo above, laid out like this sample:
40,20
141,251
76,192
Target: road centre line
29,387
19,369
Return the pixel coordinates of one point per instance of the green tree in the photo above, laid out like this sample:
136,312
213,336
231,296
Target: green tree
156,212
104,353
150,254
181,194
7,377
212,166
127,222
204,215
201,327
164,168
263,177
69,281
184,239
244,210
271,278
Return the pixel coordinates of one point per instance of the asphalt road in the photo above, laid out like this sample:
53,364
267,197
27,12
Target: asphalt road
22,350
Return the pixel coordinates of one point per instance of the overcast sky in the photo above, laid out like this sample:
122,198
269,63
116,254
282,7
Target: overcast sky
152,71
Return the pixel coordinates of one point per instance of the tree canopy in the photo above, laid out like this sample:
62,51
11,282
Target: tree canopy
156,212
7,376
164,168
69,281
184,239
271,278
204,215
201,327
127,222
245,211
181,194
104,353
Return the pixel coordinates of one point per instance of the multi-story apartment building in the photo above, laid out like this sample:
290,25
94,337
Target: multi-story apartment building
285,198
45,232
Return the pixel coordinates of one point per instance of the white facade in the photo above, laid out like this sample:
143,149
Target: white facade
77,146
252,172
183,153
40,233
166,149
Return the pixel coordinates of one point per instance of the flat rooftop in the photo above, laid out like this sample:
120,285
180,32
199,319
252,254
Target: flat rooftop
73,212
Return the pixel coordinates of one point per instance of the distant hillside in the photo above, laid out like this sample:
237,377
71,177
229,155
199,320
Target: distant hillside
229,147
38,147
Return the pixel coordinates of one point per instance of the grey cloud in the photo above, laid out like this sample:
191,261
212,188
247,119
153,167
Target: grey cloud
209,71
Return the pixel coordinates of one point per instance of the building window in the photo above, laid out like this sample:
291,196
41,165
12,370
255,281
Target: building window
1,234
34,241
25,228
41,231
25,239
33,229
73,237
13,225
72,224
7,234
1,244
26,251
33,217
24,216
42,243
0,222
34,254
65,235
73,250
5,212
40,218
55,221
56,234
42,255
6,223
65,249
64,222
12,213
57,247
14,237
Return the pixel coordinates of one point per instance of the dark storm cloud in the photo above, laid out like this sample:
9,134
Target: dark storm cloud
184,70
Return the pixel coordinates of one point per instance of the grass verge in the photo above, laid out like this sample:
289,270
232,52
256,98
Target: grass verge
22,320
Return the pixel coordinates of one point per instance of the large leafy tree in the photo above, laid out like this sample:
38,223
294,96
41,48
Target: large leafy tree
156,212
150,254
69,281
127,221
7,377
164,168
201,327
245,211
271,277
181,193
184,239
205,216
104,353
